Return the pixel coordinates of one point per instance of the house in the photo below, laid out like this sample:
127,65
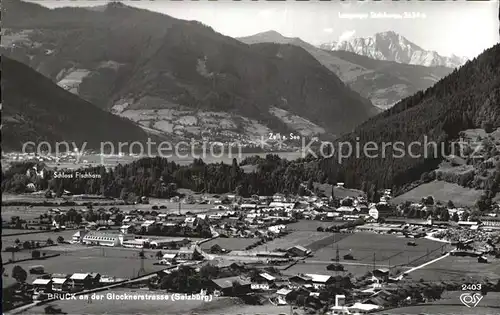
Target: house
191,222
127,229
282,205
346,209
279,197
78,236
381,274
232,286
319,281
94,278
284,293
81,280
300,280
263,281
380,298
248,206
148,225
188,254
169,257
135,243
298,250
42,285
105,238
60,284
361,308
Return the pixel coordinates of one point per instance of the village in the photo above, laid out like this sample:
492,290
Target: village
301,252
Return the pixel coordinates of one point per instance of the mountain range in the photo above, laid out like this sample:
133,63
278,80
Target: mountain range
382,82
466,99
180,77
35,109
391,46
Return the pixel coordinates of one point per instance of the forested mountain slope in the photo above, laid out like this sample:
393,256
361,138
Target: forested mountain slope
467,98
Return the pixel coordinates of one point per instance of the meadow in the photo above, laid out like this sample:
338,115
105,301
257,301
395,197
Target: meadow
119,263
388,249
450,304
218,306
462,269
303,238
441,191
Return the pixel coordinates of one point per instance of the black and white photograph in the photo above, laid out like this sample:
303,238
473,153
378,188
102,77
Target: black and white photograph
250,157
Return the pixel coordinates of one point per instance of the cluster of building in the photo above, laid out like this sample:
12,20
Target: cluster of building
64,283
283,290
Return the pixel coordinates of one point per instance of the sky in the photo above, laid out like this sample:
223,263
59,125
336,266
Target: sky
458,27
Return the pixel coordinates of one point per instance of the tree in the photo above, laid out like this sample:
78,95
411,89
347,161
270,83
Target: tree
310,184
429,201
487,126
35,254
444,215
465,216
60,239
450,205
50,241
159,254
455,217
17,241
48,194
19,274
26,245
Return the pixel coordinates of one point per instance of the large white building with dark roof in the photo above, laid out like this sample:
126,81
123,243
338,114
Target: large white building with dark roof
106,238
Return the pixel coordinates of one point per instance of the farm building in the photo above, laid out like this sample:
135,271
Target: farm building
320,280
263,281
81,280
232,286
188,254
42,285
169,257
298,250
60,284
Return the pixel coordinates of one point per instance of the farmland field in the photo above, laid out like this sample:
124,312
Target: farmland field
459,269
441,191
450,305
230,243
9,240
357,269
303,238
220,305
117,263
388,249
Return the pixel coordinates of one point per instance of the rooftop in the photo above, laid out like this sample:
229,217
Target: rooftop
79,276
228,282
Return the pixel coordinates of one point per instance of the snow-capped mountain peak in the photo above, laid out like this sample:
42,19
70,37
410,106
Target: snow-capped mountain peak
394,47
